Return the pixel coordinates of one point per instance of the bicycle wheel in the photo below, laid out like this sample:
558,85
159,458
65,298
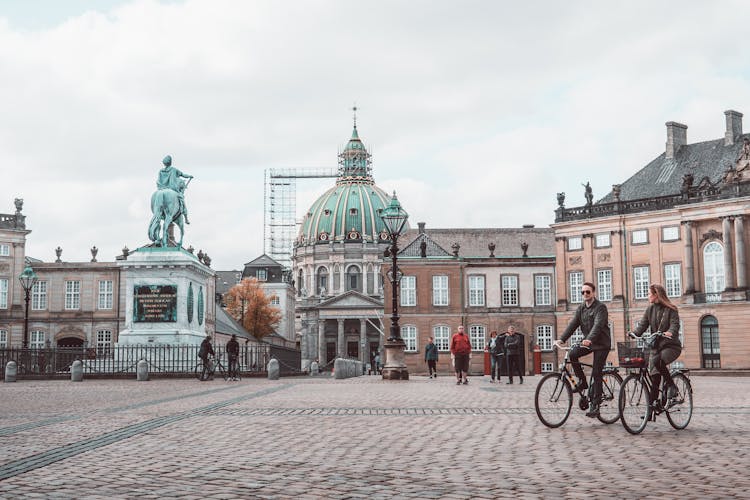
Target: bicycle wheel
222,371
680,409
609,408
634,407
199,371
553,400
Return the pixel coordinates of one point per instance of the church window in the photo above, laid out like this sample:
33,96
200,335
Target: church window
713,265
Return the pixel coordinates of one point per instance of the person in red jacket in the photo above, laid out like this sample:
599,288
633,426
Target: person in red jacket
461,353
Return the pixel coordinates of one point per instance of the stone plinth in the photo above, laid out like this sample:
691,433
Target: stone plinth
395,361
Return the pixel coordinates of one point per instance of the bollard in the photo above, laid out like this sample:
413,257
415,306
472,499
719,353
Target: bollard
273,369
11,371
339,368
142,371
314,370
76,371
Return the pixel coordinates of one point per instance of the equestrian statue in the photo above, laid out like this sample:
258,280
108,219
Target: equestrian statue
168,203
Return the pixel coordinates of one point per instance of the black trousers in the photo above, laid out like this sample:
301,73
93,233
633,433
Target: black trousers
432,365
600,359
233,365
514,365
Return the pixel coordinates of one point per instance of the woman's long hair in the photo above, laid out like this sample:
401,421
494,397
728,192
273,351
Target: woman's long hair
661,296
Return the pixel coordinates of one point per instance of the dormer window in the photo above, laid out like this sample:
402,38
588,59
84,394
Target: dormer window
352,211
261,275
326,212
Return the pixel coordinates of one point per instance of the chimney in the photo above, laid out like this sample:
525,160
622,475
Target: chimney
421,225
734,126
676,137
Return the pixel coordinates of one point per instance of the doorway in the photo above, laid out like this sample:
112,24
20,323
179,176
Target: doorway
710,354
352,349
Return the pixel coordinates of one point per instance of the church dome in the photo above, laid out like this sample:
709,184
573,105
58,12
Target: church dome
350,210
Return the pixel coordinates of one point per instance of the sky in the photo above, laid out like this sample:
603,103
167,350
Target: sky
476,112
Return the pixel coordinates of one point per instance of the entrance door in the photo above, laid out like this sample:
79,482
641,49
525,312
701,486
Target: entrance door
711,357
68,350
352,349
373,352
330,352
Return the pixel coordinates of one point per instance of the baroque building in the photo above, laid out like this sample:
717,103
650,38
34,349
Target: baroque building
678,221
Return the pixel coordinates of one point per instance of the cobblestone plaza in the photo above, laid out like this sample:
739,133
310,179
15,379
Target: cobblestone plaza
354,438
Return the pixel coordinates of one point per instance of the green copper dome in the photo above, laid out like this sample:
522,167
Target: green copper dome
349,211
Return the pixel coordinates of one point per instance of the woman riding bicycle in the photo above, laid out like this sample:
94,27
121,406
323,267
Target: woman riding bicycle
661,316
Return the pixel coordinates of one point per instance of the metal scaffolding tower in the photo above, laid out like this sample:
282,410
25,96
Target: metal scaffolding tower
280,207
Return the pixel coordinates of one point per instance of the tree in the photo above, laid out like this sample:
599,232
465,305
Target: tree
248,304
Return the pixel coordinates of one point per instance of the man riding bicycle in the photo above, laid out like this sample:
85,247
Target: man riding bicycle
592,317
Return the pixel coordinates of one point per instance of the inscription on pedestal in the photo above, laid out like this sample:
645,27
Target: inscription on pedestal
155,304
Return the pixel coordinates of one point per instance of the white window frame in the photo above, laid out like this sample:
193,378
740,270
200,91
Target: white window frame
3,293
603,240
408,289
72,295
442,336
36,339
275,300
576,337
604,284
544,337
670,233
575,284
547,367
673,279
543,289
104,342
575,243
3,339
409,334
478,337
641,282
509,287
106,294
4,250
440,290
476,290
39,296
261,274
713,267
639,237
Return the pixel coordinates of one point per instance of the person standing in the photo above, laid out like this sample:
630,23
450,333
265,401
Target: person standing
431,356
233,354
461,353
661,316
513,349
206,350
495,346
592,318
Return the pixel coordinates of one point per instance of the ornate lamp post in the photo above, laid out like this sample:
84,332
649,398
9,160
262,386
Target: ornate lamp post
27,279
394,217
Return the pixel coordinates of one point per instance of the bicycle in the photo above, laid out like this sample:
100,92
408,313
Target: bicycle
206,371
554,394
635,404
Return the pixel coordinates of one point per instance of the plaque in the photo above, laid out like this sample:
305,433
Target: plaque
155,304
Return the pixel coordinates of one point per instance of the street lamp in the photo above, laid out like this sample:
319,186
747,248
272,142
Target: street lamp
27,279
394,217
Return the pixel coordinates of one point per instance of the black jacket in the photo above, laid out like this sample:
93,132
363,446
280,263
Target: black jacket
206,348
499,348
594,325
513,344
661,319
233,348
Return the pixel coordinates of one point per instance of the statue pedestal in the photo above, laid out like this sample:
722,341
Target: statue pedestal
169,298
395,361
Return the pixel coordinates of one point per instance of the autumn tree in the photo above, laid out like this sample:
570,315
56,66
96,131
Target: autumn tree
249,304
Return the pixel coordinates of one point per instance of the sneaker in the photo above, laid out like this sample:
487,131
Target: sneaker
593,411
521,381
492,381
466,381
458,382
508,382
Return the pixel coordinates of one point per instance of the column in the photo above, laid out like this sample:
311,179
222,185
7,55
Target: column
364,279
321,342
340,347
739,242
364,348
689,265
726,225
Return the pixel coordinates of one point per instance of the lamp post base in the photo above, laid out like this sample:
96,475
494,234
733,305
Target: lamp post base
395,364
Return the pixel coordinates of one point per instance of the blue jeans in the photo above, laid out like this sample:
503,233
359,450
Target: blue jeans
495,365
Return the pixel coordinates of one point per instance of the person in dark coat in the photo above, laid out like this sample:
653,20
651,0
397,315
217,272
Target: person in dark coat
513,349
431,356
206,350
233,354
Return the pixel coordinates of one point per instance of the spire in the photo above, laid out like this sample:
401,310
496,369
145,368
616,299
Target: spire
354,160
355,135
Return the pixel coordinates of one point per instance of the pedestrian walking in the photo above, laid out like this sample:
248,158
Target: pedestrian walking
513,349
431,357
233,354
461,354
495,346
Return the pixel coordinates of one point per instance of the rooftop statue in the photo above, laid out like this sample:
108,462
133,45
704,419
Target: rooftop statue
168,203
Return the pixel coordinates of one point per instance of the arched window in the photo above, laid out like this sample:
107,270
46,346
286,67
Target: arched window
322,281
713,267
353,278
710,343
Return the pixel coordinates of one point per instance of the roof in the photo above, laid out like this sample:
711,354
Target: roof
475,242
263,261
227,325
226,280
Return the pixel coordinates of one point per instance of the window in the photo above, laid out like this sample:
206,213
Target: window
672,280
275,300
477,337
602,240
544,337
476,290
543,290
322,281
639,236
3,293
353,278
604,284
440,290
409,334
36,339
575,282
4,250
547,367
408,290
575,243
671,233
72,295
103,343
576,337
105,294
39,296
509,285
261,275
442,336
640,282
713,265
3,339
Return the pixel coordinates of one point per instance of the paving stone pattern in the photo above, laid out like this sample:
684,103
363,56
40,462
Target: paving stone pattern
355,438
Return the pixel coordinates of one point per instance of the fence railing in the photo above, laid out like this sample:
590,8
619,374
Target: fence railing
121,361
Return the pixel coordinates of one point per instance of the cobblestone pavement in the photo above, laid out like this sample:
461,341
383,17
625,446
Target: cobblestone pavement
355,438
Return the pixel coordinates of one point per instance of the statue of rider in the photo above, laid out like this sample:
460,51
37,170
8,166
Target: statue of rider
169,178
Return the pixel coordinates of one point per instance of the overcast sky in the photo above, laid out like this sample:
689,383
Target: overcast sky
477,112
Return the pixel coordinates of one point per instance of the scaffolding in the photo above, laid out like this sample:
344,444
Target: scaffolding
280,208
